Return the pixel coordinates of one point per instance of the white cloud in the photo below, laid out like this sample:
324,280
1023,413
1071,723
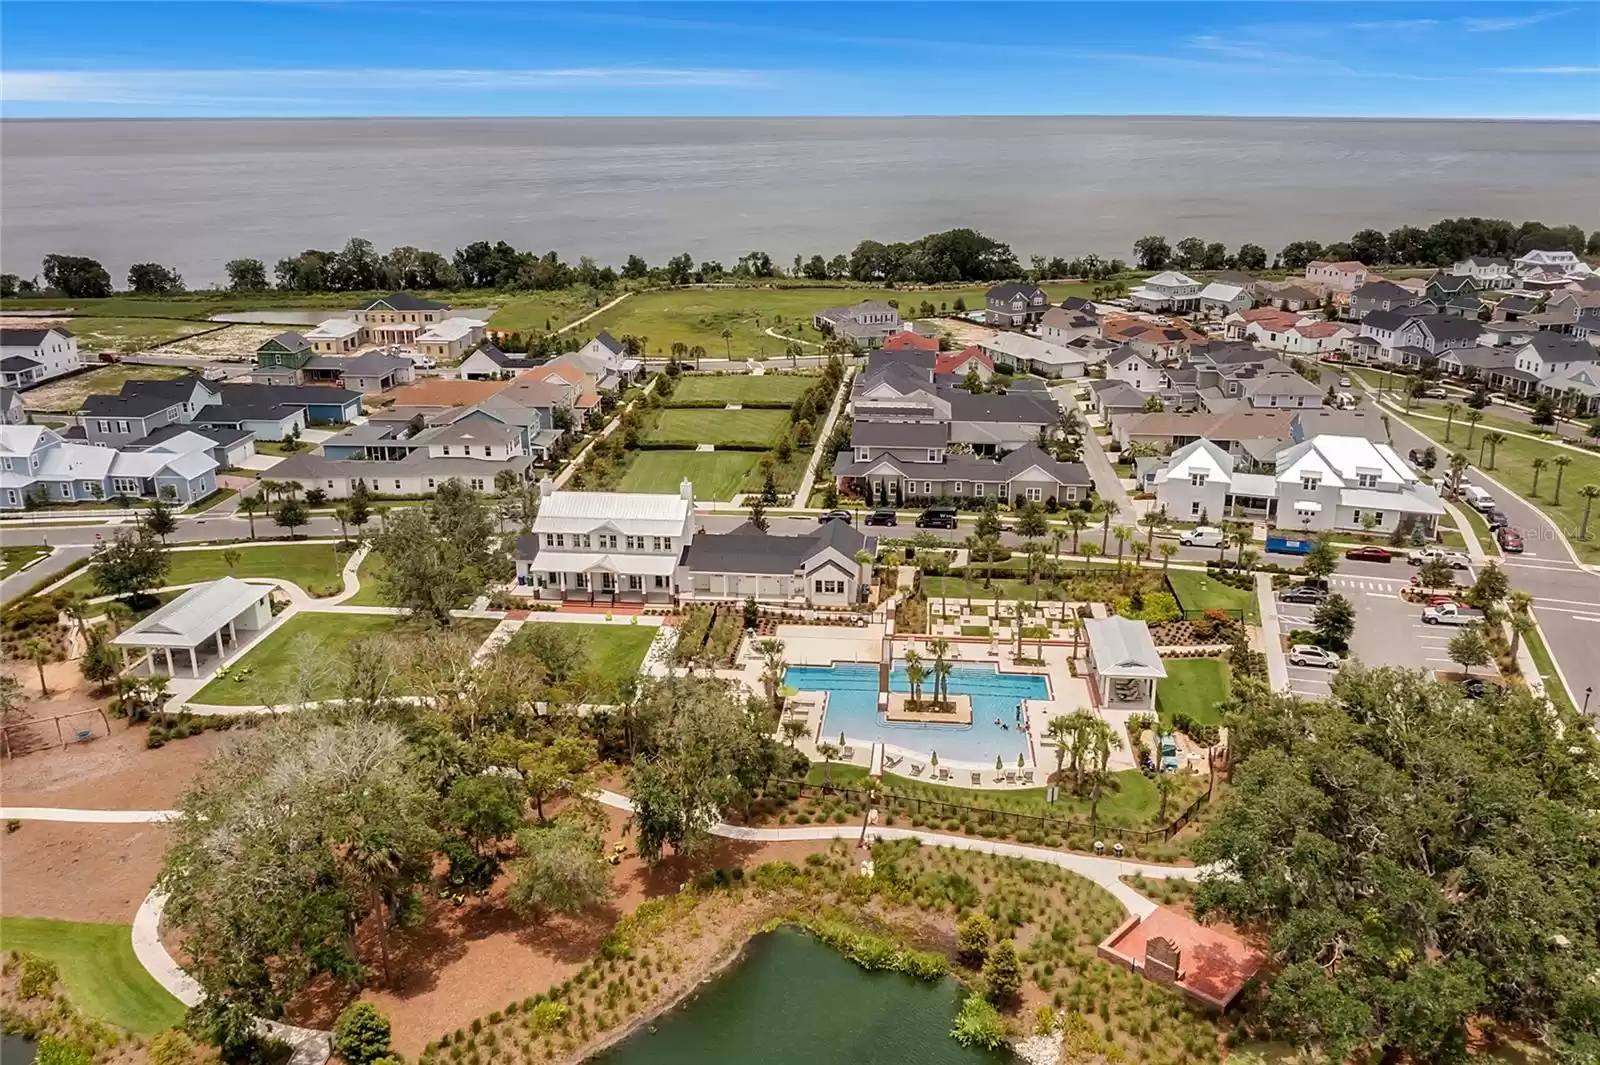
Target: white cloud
200,87
1547,70
1510,22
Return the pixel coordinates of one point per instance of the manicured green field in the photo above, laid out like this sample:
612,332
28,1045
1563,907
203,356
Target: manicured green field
99,972
1198,591
201,305
14,556
710,425
263,675
314,567
615,651
768,388
717,475
544,312
1194,686
367,573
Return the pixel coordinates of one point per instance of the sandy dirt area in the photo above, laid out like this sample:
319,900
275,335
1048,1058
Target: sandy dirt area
963,334
74,872
236,341
68,393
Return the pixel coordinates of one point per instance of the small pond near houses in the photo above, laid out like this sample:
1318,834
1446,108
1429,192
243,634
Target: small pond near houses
793,1001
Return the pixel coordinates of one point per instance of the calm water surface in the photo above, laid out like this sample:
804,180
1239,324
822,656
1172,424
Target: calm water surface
793,1001
193,194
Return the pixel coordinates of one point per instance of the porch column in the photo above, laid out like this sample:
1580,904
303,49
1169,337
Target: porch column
194,663
170,671
124,660
222,652
233,636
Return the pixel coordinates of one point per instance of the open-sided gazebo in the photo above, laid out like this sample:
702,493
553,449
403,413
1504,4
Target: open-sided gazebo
1123,663
208,615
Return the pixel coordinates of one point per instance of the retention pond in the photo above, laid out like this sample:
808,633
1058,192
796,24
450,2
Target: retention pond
793,1001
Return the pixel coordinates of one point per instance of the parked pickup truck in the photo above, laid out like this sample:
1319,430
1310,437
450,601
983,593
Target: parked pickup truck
1450,614
1428,554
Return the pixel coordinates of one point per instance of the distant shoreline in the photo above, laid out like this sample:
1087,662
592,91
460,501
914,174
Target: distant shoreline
1323,119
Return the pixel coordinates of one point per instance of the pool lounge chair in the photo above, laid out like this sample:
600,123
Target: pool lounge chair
916,769
890,761
847,754
977,779
944,772
1027,776
1011,776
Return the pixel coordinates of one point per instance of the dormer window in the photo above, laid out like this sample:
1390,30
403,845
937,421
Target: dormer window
1366,480
1310,482
863,454
1197,480
933,454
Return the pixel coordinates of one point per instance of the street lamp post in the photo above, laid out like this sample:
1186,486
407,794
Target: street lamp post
1586,693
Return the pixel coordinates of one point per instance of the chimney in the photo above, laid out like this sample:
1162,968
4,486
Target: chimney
686,490
547,487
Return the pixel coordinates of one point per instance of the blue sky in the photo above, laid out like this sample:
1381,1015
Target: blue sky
323,59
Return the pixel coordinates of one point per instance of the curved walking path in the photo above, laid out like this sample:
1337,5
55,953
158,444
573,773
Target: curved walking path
779,336
594,313
802,495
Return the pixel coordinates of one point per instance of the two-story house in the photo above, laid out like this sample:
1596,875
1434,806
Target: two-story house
1379,295
1541,263
1427,337
1164,342
887,464
399,318
1135,368
1547,355
1486,270
1015,303
1343,276
1377,340
12,412
815,568
605,360
866,324
280,359
607,547
1170,290
30,357
38,465
1582,311
1061,326
489,363
1222,298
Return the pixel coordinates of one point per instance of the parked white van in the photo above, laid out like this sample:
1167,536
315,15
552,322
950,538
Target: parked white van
1477,498
1203,536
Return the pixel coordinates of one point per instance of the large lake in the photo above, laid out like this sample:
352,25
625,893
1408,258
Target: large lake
193,194
793,1001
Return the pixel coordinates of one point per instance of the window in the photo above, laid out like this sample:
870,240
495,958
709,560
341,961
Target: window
1310,482
933,454
1035,494
977,489
477,484
956,488
829,587
11,497
66,489
631,542
863,454
430,483
661,582
635,582
397,486
555,540
122,426
125,485
608,541
1197,480
927,488
1366,480
105,426
661,543
1194,509
555,578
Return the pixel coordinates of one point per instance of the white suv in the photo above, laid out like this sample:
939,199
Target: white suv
1203,536
1305,654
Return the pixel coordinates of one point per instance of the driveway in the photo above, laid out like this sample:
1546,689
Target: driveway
1106,481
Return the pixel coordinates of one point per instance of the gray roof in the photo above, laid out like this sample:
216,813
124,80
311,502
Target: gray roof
1453,282
291,340
1382,290
1482,358
195,616
127,406
1518,304
749,550
1392,319
899,434
512,362
1008,289
295,395
1014,407
218,437
235,413
14,363
1556,347
28,338
405,301
1122,648
1114,393
1449,327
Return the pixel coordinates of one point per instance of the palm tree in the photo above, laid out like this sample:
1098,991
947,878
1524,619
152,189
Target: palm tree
1077,521
1102,743
727,338
939,646
1450,412
1243,536
1109,510
1123,534
1473,418
773,667
829,752
1458,465
1061,730
118,614
1538,466
342,515
1058,537
1562,462
793,730
1167,551
39,652
1521,627
1089,551
1166,783
1152,521
1588,492
1248,559
916,673
249,504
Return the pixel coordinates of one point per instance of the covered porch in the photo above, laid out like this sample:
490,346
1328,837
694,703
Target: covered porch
198,630
1123,664
610,577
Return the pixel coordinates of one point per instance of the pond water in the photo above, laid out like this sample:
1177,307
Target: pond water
793,1001
15,1050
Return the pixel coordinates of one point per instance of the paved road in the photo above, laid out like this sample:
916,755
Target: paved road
1566,595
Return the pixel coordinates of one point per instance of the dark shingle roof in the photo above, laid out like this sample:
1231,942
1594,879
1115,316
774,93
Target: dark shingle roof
14,363
1002,407
1453,282
749,550
128,405
28,338
1008,289
293,395
1382,290
289,340
899,434
405,301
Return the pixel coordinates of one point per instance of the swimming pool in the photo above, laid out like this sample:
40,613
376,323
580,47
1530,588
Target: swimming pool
853,709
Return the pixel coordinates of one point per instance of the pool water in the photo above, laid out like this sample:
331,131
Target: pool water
853,709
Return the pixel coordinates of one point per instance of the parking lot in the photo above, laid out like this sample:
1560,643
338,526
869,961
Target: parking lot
1389,630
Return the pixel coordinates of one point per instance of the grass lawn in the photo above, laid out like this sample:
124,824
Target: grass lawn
976,630
261,676
717,475
367,573
544,312
768,388
1513,467
69,393
98,971
1194,686
703,425
959,588
615,651
1129,800
14,556
133,334
1198,591
1480,529
314,567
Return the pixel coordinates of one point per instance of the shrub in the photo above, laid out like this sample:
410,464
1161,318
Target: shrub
973,936
38,976
361,1034
53,1050
1002,972
548,1016
979,1025
171,1047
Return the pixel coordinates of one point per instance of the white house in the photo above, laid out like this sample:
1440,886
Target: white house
1317,338
451,338
606,547
1169,290
604,360
817,568
1325,482
1221,298
32,356
1548,262
1032,355
1344,276
1488,271
1551,354
1140,371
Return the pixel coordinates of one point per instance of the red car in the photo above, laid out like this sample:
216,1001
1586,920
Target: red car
1369,554
1510,540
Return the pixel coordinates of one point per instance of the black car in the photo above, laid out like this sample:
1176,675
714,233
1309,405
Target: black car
1473,688
835,515
937,518
881,517
1498,520
1302,594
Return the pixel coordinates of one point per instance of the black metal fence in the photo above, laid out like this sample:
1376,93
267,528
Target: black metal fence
943,810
